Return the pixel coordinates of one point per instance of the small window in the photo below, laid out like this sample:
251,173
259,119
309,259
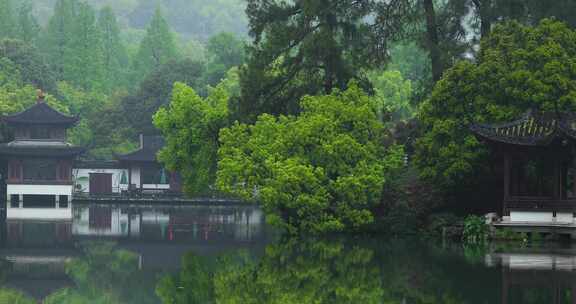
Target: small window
38,201
63,201
14,200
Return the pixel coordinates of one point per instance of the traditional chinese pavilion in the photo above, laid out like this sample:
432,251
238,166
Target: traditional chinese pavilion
145,173
538,154
39,161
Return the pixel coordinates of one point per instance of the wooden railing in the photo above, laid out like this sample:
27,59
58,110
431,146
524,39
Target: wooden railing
40,182
540,204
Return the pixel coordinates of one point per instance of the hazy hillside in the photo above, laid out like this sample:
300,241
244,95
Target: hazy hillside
197,19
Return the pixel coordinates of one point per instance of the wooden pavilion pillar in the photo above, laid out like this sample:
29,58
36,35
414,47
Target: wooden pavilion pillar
557,180
573,170
506,184
129,177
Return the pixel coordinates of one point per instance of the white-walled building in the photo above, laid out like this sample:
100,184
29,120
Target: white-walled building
99,177
39,163
144,170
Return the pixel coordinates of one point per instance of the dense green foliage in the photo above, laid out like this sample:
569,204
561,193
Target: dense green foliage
14,297
195,19
475,230
319,161
190,126
302,271
104,274
157,47
323,170
518,68
84,55
292,56
196,276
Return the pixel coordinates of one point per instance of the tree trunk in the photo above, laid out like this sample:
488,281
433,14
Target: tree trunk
484,9
330,61
433,41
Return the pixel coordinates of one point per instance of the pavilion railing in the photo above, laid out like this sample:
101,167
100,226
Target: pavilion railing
539,204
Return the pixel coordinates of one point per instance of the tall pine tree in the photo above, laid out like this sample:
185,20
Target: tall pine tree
73,44
27,27
313,46
7,22
57,38
85,67
114,56
157,47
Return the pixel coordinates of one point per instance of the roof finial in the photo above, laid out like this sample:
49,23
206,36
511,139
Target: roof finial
41,96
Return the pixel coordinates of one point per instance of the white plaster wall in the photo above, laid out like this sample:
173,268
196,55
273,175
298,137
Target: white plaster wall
82,178
156,186
531,216
530,261
39,213
39,189
564,217
136,176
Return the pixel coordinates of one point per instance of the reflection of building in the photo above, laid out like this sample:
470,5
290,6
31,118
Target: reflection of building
201,223
105,221
145,172
39,163
552,275
38,234
37,252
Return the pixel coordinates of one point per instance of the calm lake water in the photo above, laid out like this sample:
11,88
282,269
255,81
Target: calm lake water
205,254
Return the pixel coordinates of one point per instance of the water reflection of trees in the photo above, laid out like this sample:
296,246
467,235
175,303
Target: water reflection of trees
325,271
340,270
104,274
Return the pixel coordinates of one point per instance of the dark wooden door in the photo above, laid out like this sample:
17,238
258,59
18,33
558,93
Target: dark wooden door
100,183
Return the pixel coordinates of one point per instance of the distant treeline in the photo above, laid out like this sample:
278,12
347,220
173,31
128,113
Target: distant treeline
197,19
84,57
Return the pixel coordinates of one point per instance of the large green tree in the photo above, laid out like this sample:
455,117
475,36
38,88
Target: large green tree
155,91
31,65
190,125
517,68
158,47
27,27
7,21
311,47
224,52
321,171
114,55
73,45
84,68
56,40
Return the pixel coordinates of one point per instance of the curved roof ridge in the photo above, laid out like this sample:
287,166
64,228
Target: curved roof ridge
532,129
40,113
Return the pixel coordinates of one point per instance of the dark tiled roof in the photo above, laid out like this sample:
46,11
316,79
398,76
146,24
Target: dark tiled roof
532,129
149,147
40,113
38,148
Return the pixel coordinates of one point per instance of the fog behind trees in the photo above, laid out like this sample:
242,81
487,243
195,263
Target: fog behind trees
191,19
